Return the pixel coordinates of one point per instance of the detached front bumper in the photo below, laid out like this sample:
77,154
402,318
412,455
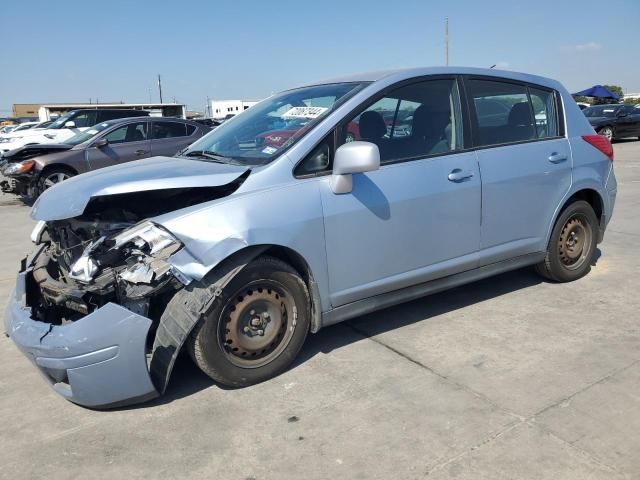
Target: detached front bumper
98,361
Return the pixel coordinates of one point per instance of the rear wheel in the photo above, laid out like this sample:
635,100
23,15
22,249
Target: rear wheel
572,244
255,327
607,132
50,177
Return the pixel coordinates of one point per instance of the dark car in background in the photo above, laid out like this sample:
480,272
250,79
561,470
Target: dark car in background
33,168
614,121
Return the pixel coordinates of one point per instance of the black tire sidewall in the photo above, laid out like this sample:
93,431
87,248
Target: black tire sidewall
558,270
208,334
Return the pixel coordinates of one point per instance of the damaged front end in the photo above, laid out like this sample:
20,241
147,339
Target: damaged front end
89,307
86,306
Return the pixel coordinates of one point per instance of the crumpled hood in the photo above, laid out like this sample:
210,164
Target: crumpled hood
70,198
29,151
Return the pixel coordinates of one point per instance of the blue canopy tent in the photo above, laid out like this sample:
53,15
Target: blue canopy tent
597,91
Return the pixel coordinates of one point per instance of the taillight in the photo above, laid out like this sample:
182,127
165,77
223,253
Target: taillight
600,142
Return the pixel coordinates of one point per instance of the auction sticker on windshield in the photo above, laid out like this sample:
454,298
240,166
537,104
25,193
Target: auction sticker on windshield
305,112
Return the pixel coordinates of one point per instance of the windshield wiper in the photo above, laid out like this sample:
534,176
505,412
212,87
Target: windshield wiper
216,157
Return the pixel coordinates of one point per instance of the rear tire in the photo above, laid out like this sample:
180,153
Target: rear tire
572,244
255,328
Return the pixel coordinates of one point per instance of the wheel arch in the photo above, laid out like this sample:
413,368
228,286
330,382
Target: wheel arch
593,198
56,166
174,329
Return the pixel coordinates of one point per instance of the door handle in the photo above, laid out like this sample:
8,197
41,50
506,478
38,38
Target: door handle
457,175
141,152
556,157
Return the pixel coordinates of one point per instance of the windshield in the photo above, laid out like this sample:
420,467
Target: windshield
259,134
601,111
81,137
59,123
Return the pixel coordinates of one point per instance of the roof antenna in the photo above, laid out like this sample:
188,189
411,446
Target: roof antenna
446,41
493,65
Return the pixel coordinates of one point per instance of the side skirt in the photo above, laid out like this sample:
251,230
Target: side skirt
384,300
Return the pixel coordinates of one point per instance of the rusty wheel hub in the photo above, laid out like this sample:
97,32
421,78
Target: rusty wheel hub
574,243
259,324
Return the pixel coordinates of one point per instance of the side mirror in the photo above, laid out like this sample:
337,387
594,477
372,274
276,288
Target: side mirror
353,157
102,142
622,114
70,124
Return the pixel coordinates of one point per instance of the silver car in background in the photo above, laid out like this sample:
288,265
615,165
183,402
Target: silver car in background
236,249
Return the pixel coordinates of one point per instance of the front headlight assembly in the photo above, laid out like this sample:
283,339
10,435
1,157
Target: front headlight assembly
19,168
148,234
144,248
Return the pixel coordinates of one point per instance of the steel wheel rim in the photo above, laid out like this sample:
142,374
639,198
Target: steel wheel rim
574,243
54,178
257,324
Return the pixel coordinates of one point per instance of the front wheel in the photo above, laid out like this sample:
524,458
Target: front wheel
49,178
255,327
572,244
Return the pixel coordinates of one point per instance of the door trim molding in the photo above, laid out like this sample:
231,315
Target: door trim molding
384,300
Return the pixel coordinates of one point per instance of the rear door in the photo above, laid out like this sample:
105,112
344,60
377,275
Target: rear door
125,143
169,137
525,164
629,122
416,218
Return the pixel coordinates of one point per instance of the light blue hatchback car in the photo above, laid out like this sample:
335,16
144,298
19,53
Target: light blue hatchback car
319,204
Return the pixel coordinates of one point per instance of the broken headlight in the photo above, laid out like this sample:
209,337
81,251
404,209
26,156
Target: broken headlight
147,235
144,248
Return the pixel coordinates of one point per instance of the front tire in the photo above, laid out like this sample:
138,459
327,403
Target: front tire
572,244
256,326
50,177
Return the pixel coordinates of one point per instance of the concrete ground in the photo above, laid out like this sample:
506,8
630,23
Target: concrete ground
506,378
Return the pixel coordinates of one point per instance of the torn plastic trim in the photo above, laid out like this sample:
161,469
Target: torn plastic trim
185,310
78,360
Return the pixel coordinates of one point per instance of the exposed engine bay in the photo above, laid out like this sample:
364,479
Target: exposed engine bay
84,265
109,255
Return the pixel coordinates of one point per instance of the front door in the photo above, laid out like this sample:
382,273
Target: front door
416,218
124,144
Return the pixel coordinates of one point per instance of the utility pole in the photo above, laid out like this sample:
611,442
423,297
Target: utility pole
160,87
446,41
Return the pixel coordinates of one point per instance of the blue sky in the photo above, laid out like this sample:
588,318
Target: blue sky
57,51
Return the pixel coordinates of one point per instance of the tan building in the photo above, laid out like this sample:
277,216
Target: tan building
25,109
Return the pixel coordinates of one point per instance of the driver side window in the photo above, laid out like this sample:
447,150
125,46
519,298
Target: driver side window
418,120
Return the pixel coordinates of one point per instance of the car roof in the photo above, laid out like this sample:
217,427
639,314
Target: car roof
407,73
117,121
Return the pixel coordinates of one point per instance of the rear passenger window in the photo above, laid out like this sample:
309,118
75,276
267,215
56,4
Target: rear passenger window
168,130
414,121
503,112
509,113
